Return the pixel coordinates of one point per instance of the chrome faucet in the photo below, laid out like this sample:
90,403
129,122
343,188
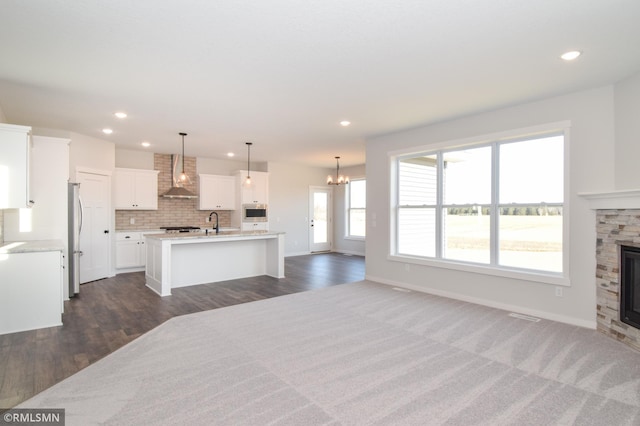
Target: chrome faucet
217,227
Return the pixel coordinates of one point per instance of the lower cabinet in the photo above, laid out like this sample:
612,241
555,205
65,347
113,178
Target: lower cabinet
131,249
30,291
255,226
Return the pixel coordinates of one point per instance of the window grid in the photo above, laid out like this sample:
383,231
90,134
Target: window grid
422,199
356,208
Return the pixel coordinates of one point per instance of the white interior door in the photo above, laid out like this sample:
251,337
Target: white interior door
320,223
94,236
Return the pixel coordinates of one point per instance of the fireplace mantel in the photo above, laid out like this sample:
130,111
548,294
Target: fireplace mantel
613,200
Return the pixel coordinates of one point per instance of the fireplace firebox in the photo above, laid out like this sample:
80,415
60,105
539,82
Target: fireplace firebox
630,285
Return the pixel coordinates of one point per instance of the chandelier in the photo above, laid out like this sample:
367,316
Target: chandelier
339,178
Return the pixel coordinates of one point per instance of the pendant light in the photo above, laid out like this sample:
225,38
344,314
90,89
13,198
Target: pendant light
183,176
339,178
177,189
247,181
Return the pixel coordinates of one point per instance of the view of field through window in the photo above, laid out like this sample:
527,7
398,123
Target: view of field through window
357,203
527,241
520,181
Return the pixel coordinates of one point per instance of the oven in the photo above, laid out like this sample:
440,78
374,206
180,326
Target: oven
254,213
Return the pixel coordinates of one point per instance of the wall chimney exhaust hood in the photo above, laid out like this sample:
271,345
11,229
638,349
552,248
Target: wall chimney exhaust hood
177,189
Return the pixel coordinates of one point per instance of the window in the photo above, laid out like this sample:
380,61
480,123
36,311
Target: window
498,204
356,208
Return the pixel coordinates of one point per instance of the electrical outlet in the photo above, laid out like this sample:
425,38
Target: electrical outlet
558,291
132,221
407,267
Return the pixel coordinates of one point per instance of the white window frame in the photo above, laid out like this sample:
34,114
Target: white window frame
545,277
347,203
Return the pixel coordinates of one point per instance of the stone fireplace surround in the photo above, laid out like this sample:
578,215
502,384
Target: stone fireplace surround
617,224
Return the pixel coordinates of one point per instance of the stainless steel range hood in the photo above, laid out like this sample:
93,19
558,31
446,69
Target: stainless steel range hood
177,190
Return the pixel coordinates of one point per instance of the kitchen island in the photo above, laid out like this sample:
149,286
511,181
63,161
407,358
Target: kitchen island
184,259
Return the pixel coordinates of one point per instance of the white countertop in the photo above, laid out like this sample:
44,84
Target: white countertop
140,230
157,231
211,235
9,247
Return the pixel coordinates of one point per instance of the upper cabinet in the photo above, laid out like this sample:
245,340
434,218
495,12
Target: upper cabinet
14,166
217,192
255,193
135,189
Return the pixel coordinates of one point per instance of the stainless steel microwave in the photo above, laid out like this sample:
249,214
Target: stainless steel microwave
254,213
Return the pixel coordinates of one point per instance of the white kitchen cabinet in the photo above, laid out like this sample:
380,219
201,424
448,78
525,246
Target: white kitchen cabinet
131,250
256,226
49,164
217,192
135,189
15,144
30,291
255,193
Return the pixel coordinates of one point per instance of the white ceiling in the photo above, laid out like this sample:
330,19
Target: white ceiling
284,73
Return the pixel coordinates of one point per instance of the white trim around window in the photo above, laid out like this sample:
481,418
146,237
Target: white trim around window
360,220
495,140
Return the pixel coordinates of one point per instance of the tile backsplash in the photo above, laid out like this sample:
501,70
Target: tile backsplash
171,211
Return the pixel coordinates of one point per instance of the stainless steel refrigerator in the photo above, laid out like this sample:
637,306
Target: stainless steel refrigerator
74,229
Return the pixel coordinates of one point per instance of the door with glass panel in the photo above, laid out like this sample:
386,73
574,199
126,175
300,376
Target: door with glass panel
320,223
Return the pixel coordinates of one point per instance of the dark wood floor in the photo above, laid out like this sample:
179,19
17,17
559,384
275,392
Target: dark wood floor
110,313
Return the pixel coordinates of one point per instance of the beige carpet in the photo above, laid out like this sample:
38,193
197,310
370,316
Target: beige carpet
360,353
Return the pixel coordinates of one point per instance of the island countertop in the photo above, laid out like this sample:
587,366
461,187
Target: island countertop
223,235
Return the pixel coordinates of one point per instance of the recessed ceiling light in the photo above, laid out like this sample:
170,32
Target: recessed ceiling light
570,56
230,154
120,114
107,131
145,144
345,123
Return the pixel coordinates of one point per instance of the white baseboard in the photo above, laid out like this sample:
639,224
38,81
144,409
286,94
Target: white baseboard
304,253
351,252
487,302
300,253
127,270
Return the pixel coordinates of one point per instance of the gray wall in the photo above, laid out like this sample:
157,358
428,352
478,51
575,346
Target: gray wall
627,114
590,169
87,152
289,202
